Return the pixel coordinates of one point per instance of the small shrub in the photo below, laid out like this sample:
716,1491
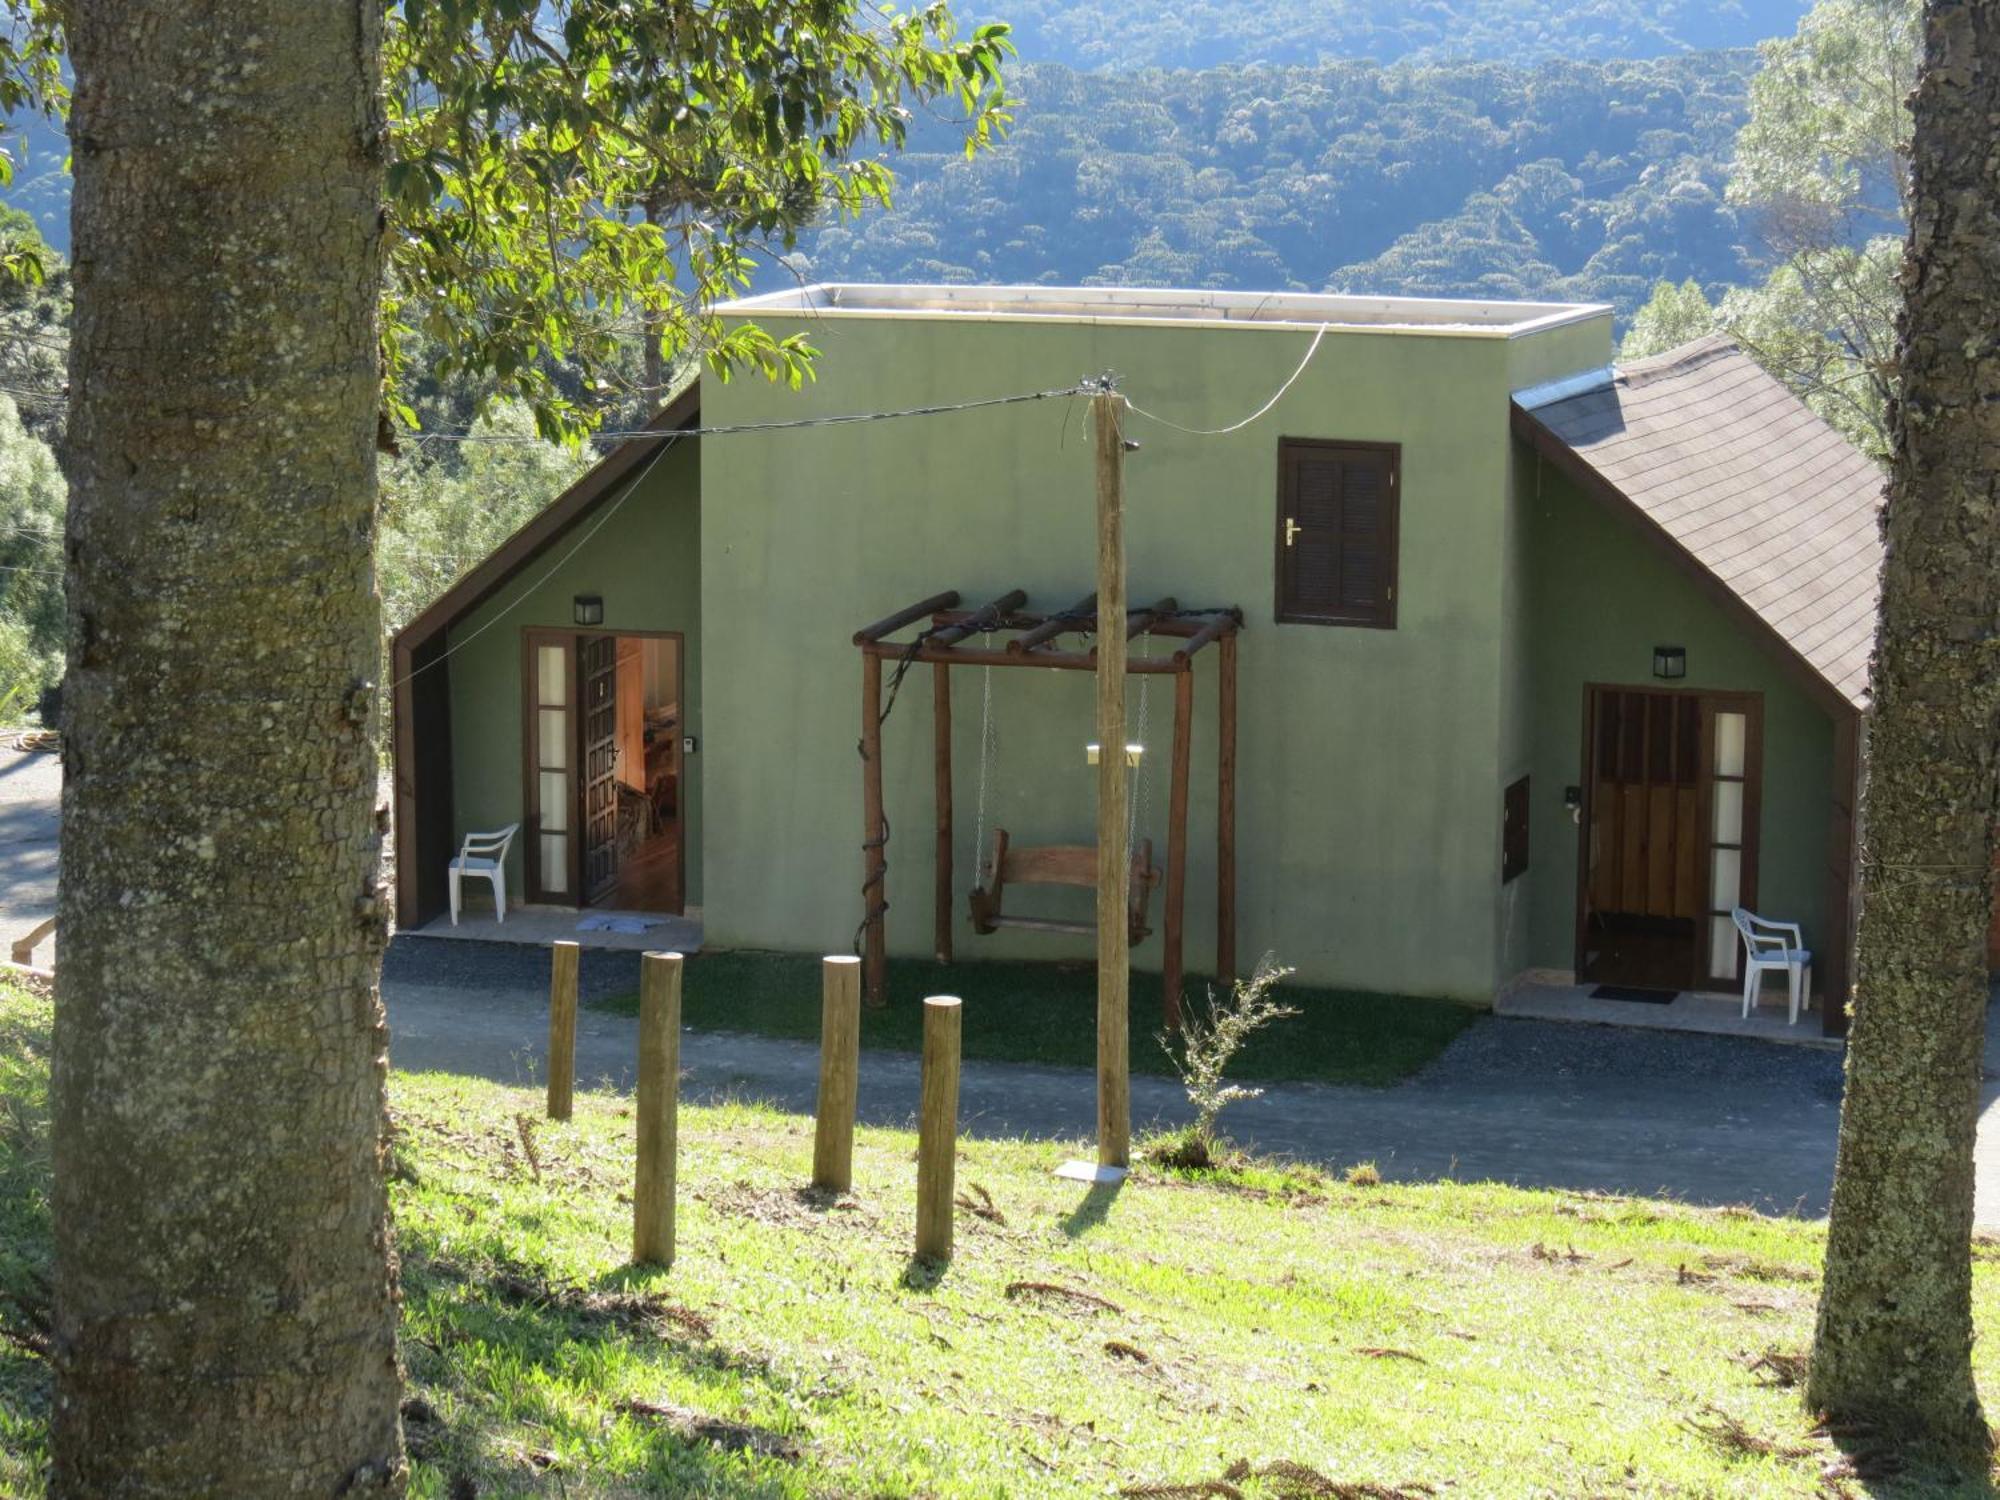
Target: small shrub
1201,1054
1364,1174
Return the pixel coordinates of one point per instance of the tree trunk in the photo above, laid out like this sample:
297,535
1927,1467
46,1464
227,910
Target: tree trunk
652,326
1895,1317
225,1292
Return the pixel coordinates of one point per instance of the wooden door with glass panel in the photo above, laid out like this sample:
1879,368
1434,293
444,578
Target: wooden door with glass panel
550,732
1732,740
1669,835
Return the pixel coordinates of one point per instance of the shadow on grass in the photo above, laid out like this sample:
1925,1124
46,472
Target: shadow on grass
1046,1013
488,1349
1093,1209
923,1273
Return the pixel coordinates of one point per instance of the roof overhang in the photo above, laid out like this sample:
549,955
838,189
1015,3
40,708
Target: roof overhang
554,521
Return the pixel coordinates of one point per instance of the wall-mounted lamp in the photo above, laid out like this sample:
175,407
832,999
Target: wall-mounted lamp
1092,753
587,609
1670,663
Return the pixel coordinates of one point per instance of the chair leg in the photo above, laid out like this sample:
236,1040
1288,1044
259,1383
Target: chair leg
454,898
1751,974
500,895
1793,974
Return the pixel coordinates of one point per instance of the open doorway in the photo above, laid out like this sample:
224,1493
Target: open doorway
1671,793
604,785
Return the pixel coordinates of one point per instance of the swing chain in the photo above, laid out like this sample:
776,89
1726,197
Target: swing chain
987,744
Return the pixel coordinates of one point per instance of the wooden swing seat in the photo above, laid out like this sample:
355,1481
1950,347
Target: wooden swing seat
1057,864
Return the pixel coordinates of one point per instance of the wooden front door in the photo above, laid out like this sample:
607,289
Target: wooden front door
597,679
1668,842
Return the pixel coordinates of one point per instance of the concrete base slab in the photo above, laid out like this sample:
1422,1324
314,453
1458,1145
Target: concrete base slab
1691,1010
538,926
1091,1172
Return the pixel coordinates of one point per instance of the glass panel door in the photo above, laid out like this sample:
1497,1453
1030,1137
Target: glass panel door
550,734
1732,749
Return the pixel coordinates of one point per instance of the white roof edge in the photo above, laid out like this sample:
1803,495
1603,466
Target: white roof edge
1157,306
1552,391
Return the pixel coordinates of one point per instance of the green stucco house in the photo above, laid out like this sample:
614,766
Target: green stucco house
1544,664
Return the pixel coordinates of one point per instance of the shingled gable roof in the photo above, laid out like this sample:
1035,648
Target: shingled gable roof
553,521
1765,504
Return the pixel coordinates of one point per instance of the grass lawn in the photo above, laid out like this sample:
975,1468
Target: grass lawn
1441,1340
1047,1013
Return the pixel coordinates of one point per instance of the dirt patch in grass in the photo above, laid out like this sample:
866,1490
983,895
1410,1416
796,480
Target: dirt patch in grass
718,1432
1284,1479
1053,1294
806,1208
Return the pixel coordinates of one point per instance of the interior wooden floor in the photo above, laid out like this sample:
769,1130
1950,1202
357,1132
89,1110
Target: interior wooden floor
650,879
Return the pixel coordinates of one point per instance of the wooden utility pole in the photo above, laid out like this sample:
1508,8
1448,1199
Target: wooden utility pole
1114,859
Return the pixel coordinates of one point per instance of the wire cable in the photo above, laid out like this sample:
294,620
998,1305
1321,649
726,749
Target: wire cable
1259,413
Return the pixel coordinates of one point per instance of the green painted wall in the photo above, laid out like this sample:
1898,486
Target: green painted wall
1368,827
1600,597
1549,356
645,560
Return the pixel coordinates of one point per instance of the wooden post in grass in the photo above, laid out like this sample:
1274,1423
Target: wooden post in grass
1114,860
658,1109
937,1128
839,1073
562,1029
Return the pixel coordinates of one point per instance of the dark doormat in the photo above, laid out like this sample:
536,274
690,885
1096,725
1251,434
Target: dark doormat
1635,994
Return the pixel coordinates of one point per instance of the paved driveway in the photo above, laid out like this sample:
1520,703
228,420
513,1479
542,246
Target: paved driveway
1707,1119
30,801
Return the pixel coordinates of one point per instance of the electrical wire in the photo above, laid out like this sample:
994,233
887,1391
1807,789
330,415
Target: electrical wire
1260,412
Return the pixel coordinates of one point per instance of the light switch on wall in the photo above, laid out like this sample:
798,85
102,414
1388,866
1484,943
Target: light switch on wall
689,744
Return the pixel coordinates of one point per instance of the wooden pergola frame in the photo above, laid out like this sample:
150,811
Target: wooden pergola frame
1036,640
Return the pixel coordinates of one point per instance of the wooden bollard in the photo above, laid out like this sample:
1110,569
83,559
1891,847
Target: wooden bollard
562,1029
937,1128
658,1108
839,1073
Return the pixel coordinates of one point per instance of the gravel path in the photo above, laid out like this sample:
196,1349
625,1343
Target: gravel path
1707,1119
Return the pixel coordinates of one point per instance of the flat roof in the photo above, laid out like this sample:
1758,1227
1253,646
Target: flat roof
1465,318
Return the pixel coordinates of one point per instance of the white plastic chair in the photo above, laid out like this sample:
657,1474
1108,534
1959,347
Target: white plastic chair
1765,949
484,855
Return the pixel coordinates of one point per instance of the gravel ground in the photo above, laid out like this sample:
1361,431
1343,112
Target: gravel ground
450,964
1554,1051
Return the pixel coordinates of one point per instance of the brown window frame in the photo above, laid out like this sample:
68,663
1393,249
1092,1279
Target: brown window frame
1289,611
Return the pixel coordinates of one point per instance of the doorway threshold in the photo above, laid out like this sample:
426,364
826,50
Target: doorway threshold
538,926
1691,1010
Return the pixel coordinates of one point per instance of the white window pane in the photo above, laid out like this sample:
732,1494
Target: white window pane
1731,737
1722,947
555,863
1726,875
555,802
554,752
1728,812
551,674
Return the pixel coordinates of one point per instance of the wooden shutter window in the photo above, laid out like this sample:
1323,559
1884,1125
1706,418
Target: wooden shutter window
1337,505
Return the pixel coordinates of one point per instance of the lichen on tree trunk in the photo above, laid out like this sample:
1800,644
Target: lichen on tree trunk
1894,1340
225,1289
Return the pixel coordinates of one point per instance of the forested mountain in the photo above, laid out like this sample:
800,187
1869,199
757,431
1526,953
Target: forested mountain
1562,179
1129,34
